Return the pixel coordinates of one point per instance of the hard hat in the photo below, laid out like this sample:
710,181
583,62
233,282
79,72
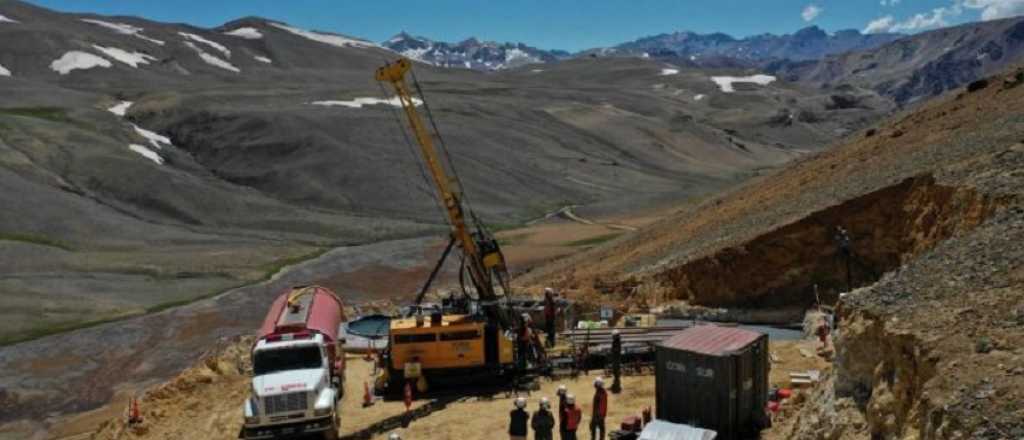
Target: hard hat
570,399
526,316
520,402
599,382
549,290
394,436
562,389
615,332
545,403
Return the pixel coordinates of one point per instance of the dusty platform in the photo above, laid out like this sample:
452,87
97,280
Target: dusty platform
183,408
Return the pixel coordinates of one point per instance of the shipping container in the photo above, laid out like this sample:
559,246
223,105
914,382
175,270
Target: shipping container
715,378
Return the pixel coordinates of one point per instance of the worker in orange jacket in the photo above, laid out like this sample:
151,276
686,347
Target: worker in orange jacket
572,416
600,410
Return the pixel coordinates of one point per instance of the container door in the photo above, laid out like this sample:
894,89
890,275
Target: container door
745,389
491,345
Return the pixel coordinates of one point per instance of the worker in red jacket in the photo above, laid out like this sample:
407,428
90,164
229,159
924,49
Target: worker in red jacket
573,416
600,410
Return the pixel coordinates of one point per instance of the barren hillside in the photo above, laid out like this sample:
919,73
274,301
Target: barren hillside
930,346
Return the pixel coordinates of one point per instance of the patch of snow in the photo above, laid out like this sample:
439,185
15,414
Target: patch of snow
212,60
4,71
121,108
331,39
264,60
7,20
699,97
125,29
667,72
693,57
726,82
78,60
537,70
147,153
417,54
155,139
645,55
360,102
198,39
246,32
516,53
130,58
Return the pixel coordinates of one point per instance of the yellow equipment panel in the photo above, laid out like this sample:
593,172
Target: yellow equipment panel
456,343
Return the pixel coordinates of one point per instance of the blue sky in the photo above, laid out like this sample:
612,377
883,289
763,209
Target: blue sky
561,24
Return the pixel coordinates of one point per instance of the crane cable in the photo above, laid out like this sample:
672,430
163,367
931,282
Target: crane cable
444,148
412,149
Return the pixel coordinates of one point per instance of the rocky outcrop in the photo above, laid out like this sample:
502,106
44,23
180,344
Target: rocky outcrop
781,268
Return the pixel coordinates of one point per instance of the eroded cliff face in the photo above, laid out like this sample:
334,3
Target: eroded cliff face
876,389
933,350
886,228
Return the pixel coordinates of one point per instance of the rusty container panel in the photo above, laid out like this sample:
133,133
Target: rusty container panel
714,378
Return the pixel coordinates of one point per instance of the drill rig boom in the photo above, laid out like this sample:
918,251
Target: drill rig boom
483,258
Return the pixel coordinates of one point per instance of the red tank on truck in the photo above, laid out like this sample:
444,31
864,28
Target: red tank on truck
298,367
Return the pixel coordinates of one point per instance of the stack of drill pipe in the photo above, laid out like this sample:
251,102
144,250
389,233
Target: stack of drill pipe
628,335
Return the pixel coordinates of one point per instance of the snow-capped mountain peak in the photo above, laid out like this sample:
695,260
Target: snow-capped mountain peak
470,53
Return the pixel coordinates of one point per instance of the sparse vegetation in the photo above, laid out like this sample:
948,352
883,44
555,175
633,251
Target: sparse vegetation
56,328
54,114
35,239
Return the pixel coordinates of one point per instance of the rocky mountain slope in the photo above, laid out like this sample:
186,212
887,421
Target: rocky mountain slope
929,345
157,163
919,66
471,53
811,43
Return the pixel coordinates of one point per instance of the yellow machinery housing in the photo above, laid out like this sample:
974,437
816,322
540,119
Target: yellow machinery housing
451,346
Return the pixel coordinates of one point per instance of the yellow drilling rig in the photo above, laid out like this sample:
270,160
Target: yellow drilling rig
485,339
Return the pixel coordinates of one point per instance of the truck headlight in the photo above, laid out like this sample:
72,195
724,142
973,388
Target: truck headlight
324,403
250,412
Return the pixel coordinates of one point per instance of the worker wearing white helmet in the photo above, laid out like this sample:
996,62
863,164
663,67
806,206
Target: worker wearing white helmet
562,394
519,420
572,416
542,421
600,408
524,342
394,436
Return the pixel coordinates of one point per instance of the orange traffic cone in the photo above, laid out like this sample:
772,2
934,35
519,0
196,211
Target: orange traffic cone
367,397
134,414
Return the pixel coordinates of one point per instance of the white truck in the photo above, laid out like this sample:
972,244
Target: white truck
298,368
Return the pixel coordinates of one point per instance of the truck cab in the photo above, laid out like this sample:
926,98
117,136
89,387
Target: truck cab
298,368
293,391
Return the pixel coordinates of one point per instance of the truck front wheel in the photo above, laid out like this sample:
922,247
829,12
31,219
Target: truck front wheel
332,434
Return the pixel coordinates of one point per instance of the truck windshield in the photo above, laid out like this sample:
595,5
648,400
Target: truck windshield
283,359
